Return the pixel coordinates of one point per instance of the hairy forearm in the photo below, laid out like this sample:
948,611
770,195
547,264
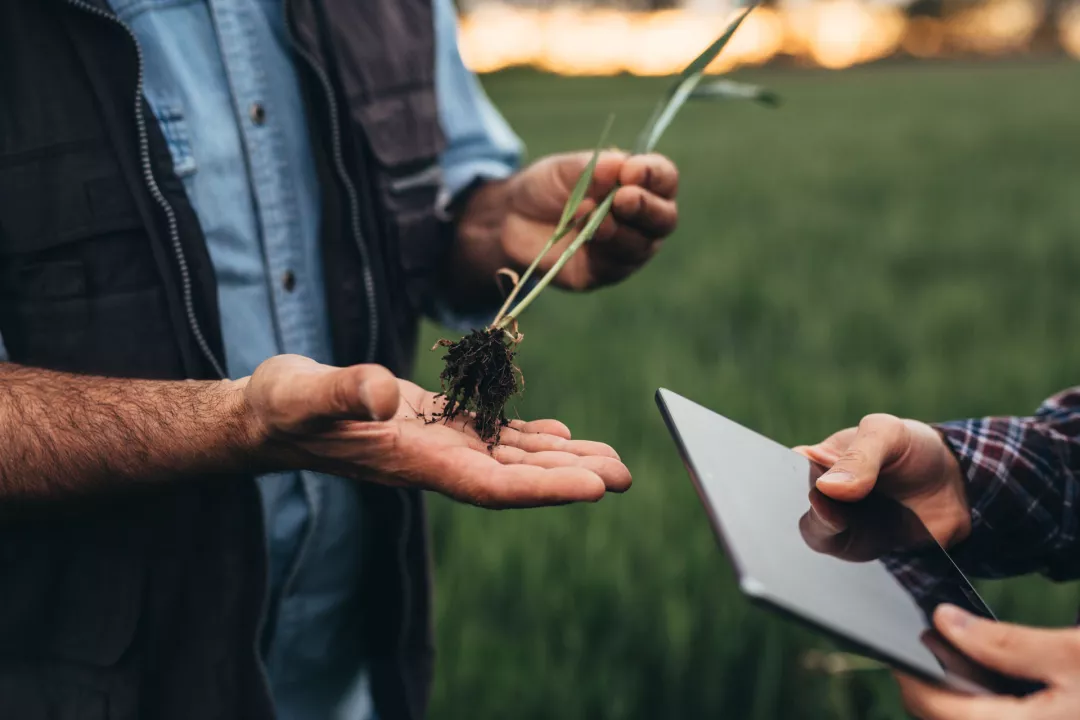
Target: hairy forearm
477,254
65,435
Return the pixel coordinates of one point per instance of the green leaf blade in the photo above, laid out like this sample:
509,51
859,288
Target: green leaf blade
573,202
577,195
681,90
584,235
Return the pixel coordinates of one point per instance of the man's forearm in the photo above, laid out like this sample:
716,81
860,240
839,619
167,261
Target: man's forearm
65,435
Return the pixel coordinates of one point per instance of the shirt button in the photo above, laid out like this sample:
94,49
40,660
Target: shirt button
258,114
288,280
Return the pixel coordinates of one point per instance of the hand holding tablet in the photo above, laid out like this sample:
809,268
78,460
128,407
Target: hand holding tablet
868,573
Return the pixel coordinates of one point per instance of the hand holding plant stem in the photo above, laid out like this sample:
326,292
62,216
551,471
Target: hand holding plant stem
480,375
685,87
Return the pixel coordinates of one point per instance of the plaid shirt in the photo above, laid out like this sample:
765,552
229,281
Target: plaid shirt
1023,483
1023,478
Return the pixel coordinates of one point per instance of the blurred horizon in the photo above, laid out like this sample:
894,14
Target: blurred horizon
659,37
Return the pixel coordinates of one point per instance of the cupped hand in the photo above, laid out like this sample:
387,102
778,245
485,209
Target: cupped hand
361,422
1051,657
905,459
643,213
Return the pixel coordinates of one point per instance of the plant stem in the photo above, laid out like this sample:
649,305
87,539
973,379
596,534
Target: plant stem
677,95
583,237
527,274
566,222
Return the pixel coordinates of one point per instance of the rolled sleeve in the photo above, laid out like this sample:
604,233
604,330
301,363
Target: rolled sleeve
479,143
480,146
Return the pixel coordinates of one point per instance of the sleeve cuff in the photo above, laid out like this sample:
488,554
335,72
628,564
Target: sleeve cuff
461,177
1016,523
969,554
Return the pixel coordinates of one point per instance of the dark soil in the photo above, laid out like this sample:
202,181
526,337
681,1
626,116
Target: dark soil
480,378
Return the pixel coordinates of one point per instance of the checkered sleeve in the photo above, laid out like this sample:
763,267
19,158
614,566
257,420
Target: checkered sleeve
1023,476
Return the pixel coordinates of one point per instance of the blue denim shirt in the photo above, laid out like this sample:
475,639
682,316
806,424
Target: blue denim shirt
220,77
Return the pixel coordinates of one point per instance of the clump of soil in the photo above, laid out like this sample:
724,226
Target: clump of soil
480,377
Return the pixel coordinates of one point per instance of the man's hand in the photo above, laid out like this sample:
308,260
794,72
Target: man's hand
506,224
363,423
1048,656
862,532
904,459
67,436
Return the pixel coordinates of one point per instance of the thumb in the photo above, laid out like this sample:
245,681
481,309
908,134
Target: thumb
879,440
359,392
1016,650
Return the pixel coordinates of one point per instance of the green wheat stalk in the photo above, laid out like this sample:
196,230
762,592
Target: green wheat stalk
687,85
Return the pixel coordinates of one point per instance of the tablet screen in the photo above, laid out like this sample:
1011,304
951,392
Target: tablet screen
868,572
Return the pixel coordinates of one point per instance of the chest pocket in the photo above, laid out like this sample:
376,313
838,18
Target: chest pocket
173,124
79,288
403,132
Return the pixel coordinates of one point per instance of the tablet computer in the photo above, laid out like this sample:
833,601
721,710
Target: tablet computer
868,573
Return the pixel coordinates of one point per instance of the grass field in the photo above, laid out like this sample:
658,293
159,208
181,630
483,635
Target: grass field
902,238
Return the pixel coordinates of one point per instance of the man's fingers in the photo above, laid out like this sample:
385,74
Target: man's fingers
520,486
828,451
569,168
652,215
545,427
615,475
878,440
538,442
624,246
819,454
927,702
1025,652
655,173
830,515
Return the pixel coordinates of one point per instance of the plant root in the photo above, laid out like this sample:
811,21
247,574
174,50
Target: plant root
480,378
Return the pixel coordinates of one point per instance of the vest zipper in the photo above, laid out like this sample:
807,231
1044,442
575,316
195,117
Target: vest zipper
350,190
178,251
155,192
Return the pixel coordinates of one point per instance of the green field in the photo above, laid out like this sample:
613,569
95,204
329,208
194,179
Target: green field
902,238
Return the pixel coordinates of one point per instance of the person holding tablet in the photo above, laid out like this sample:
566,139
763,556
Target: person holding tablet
1002,494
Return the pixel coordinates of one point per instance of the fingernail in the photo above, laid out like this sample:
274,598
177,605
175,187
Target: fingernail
840,476
953,617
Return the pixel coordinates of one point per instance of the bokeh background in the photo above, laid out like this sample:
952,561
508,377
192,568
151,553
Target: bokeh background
902,235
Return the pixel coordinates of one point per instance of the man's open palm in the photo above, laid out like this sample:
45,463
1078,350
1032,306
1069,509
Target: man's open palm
363,423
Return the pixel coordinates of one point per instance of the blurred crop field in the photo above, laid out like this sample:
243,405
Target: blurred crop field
902,238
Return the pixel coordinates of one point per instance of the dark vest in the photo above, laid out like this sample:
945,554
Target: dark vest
148,604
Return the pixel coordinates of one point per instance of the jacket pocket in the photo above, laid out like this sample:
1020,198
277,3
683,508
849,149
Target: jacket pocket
73,576
29,695
173,124
80,290
402,130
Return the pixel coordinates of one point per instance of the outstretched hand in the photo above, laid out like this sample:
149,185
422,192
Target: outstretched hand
363,423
